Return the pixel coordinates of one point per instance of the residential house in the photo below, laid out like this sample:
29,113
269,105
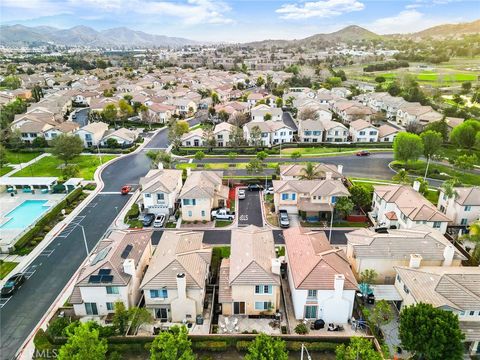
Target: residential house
310,131
322,285
124,137
250,279
253,98
272,132
67,127
313,200
463,208
193,138
159,113
160,189
334,132
174,284
113,272
321,171
349,111
363,131
367,249
202,191
259,112
455,289
223,133
92,133
387,133
184,106
403,207
414,113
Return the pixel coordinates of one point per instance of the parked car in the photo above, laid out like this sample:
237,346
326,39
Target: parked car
283,219
363,153
148,219
269,191
126,189
254,187
223,214
241,194
12,285
159,221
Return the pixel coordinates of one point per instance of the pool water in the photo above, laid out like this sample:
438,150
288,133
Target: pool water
25,214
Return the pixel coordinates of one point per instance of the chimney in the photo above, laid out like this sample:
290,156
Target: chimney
416,186
182,286
276,266
415,261
328,175
340,168
160,165
189,172
448,253
338,283
129,266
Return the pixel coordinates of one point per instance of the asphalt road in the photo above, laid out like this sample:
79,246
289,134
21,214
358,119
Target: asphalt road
161,140
288,120
250,209
81,116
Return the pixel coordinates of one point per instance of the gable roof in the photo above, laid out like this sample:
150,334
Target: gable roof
296,170
314,263
311,187
203,184
361,124
468,195
164,180
178,252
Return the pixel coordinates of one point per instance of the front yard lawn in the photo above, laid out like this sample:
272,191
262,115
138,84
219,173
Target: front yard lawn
222,223
5,170
51,166
6,267
21,157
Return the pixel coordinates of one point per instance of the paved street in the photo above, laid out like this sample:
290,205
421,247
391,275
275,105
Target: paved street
81,116
288,120
250,210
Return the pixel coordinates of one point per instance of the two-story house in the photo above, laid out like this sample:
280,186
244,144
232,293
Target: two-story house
320,171
259,113
160,190
403,207
174,284
272,132
310,131
250,279
193,138
322,285
112,273
313,200
223,134
334,132
387,133
202,191
463,208
92,133
367,249
453,289
363,131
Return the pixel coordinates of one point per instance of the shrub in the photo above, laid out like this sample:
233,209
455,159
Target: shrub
312,346
57,326
41,341
210,345
301,329
243,345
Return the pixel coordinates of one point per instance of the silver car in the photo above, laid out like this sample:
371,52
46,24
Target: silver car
241,194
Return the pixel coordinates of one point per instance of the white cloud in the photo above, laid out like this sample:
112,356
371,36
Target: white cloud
320,9
407,21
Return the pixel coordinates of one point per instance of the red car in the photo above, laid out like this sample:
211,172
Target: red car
126,189
363,153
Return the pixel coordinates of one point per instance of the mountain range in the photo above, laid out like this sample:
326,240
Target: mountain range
20,35
122,37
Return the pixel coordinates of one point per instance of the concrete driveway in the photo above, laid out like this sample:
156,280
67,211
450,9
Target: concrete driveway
250,209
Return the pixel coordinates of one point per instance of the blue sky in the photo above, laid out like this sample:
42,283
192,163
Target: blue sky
240,20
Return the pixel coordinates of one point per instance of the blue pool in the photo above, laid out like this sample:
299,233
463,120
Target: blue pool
25,214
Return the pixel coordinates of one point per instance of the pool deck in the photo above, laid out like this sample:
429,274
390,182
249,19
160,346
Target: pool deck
8,236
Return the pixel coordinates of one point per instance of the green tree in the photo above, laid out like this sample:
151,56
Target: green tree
407,147
279,102
440,127
466,87
199,155
260,81
296,155
70,171
120,318
160,157
3,156
464,134
238,137
466,162
109,113
255,166
266,347
11,82
172,345
473,236
360,195
139,316
125,109
381,313
112,143
215,98
67,147
232,155
255,136
344,206
262,155
39,142
402,177
267,117
358,349
368,276
84,344
431,333
432,143
423,189
448,188
175,132
309,172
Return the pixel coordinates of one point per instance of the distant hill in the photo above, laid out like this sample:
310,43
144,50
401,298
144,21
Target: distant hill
448,30
20,35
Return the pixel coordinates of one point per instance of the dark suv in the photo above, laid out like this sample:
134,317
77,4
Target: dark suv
254,187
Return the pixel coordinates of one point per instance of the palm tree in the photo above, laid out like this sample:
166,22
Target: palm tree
448,188
474,237
402,177
309,172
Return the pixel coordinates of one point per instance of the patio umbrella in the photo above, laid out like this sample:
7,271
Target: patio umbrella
365,289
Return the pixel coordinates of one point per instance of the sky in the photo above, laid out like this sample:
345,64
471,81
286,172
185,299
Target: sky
240,20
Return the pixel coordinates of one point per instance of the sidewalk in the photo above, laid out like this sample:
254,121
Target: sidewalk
18,167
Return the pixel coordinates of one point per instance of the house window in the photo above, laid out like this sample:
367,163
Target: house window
294,196
471,313
263,305
161,197
263,289
406,289
284,196
468,208
190,213
463,222
307,133
147,195
88,137
187,143
112,290
310,312
437,224
220,137
361,133
189,202
399,279
91,308
312,294
110,306
163,293
203,213
334,199
373,133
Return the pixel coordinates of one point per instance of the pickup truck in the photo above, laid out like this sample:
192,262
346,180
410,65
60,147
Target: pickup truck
283,219
223,214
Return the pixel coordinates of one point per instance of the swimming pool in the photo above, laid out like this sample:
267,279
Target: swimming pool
25,214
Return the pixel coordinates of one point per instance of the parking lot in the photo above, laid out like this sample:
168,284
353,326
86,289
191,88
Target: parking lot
250,209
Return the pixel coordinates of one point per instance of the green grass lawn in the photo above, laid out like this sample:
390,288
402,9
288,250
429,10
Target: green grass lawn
220,166
49,166
222,223
453,152
20,157
326,151
6,267
5,169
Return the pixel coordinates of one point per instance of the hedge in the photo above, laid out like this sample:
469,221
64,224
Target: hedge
210,345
